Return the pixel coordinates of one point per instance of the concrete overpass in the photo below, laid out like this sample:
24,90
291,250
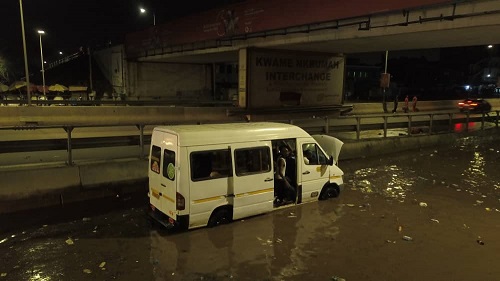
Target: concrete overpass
436,25
178,58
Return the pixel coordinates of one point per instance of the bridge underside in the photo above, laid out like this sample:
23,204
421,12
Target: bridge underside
466,24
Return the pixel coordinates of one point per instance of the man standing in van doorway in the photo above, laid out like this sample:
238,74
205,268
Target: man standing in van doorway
285,190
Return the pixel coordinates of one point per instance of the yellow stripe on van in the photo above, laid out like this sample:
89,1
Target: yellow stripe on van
168,198
335,177
255,192
207,199
156,194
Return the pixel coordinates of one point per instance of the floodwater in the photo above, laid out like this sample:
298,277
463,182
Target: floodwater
432,214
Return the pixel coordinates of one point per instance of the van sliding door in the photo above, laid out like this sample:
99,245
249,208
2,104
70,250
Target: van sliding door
252,189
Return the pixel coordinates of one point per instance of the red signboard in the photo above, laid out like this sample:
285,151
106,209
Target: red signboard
257,16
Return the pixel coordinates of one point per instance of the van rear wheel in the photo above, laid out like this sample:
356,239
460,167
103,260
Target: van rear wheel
219,216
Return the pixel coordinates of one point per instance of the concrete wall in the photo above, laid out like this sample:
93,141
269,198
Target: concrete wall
109,115
169,81
40,187
19,184
113,65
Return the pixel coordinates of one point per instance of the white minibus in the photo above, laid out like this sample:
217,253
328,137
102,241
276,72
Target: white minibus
206,175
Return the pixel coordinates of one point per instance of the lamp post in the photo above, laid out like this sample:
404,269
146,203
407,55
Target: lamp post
41,32
143,11
25,54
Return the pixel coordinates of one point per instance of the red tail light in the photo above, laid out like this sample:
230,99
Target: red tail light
460,103
180,202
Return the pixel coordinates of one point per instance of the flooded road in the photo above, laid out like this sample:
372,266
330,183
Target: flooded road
432,214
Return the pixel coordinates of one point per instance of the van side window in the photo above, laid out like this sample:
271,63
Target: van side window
206,165
169,164
154,163
252,160
313,154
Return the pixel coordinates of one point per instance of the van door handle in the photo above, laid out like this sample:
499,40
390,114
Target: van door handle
163,185
306,173
268,179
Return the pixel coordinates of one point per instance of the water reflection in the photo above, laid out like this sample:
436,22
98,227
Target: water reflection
390,181
480,167
474,173
267,247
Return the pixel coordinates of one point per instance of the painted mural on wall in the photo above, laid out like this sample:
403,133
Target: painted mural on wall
255,16
280,78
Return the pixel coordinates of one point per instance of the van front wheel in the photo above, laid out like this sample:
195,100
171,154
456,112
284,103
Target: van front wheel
329,191
219,216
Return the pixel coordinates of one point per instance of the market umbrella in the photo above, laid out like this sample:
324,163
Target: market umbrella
3,88
21,84
58,88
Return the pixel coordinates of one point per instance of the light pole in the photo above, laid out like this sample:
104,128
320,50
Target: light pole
143,11
40,32
25,54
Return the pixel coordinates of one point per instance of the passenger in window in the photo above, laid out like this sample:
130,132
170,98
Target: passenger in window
215,174
155,167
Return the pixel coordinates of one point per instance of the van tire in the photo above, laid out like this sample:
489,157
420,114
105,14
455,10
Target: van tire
220,216
329,191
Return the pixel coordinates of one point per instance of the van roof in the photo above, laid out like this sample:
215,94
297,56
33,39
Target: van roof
191,135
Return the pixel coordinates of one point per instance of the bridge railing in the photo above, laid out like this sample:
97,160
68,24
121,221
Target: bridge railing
40,143
414,123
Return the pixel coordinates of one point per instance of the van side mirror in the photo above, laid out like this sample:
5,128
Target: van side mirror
330,161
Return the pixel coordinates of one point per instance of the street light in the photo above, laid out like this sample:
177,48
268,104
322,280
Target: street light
41,32
143,11
27,73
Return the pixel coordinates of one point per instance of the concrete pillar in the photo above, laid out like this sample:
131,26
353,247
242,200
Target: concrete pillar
242,79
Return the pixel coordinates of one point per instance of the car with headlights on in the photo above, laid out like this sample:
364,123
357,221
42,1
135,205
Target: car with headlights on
474,105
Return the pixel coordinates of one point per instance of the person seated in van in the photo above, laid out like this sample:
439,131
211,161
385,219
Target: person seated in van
284,190
310,157
307,157
215,174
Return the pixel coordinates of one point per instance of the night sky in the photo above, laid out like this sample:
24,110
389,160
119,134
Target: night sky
70,24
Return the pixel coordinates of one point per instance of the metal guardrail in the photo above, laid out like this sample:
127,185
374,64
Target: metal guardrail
450,117
326,125
386,121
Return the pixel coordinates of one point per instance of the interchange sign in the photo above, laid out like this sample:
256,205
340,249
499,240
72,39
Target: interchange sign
283,78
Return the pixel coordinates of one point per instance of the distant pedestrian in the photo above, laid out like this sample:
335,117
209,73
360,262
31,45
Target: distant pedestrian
414,104
396,97
405,108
